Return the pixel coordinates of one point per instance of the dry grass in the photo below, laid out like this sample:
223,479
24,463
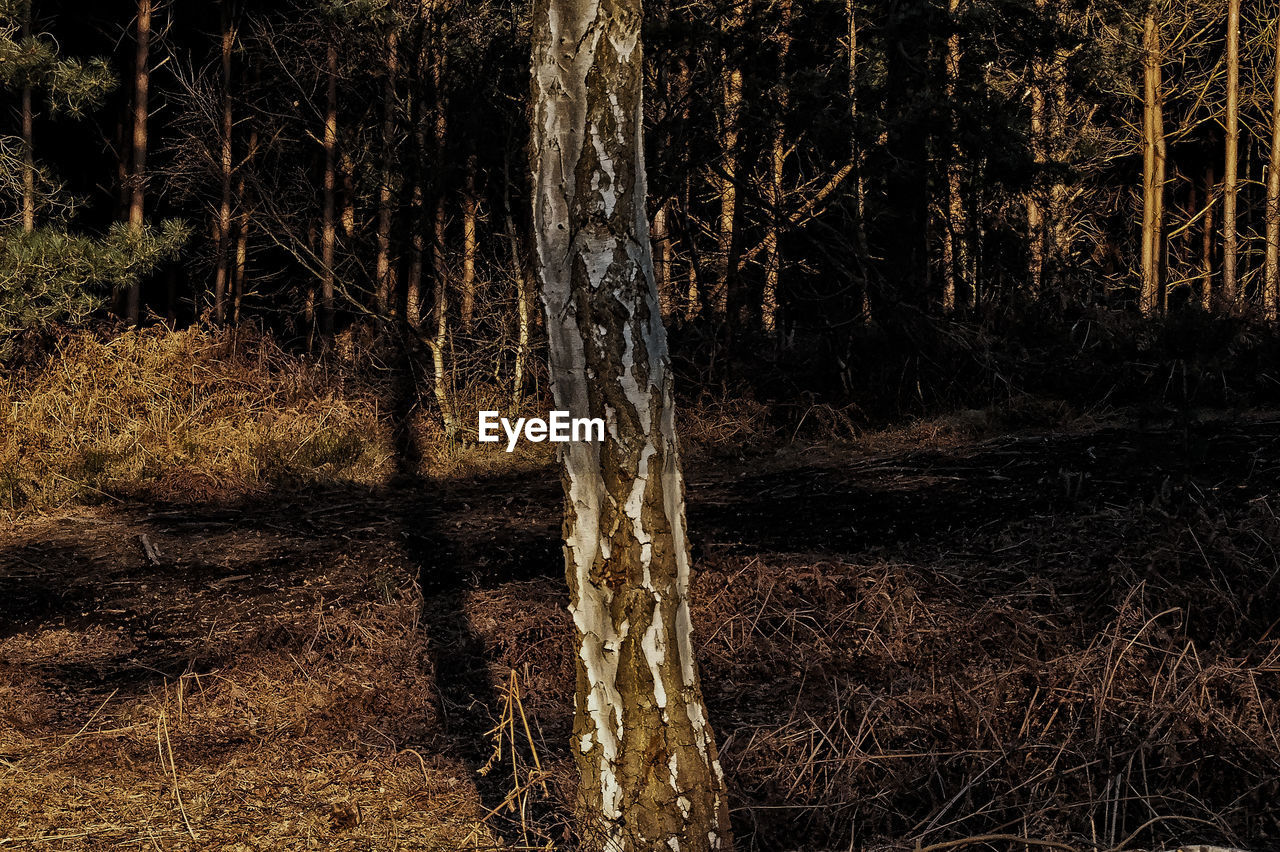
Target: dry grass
909,638
189,413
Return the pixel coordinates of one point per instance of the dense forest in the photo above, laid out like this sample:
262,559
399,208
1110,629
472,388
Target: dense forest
816,170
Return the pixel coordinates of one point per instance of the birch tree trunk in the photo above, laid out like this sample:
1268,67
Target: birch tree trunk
1230,179
1152,165
137,196
1271,285
650,774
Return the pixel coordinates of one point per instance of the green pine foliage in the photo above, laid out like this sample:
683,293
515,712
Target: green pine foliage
54,274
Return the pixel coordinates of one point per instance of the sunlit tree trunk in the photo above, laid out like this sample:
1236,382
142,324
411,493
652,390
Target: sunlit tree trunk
329,233
470,206
28,140
662,260
1271,287
524,293
1230,187
1153,165
222,276
955,237
137,197
439,267
1039,145
384,272
777,163
650,775
28,163
722,297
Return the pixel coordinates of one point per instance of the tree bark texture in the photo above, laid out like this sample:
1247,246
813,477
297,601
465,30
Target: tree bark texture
1271,283
329,233
650,775
1230,188
137,195
1153,166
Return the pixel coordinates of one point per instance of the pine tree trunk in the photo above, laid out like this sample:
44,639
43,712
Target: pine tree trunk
28,141
650,775
1152,166
417,247
384,272
137,197
523,293
1039,145
439,266
777,163
469,247
662,261
722,299
28,163
856,155
1230,188
1271,286
1206,244
240,281
222,276
329,233
956,234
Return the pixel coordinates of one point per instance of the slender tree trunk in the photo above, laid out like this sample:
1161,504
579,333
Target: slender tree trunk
1152,166
329,233
662,260
723,298
955,237
28,163
240,281
439,266
222,276
469,211
1039,146
650,774
856,156
777,164
1230,188
137,198
1206,241
524,292
1271,287
384,270
28,140
417,247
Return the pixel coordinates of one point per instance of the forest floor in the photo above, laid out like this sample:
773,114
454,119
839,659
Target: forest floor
1066,635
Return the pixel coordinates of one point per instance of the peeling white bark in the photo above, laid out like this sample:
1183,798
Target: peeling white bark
644,747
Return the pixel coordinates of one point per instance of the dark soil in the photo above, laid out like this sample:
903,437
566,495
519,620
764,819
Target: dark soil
1067,636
